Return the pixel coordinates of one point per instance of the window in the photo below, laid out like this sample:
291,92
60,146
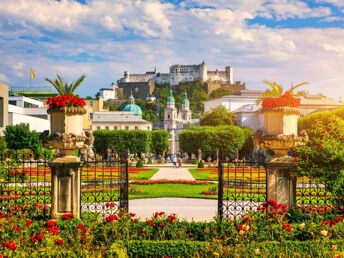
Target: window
91,103
12,102
148,127
91,116
106,127
98,127
136,128
127,128
168,116
115,128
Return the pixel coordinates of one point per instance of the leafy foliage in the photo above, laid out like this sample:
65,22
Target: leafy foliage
217,116
218,93
64,88
137,141
323,155
3,143
227,139
21,137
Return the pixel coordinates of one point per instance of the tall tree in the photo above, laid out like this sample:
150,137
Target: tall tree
217,116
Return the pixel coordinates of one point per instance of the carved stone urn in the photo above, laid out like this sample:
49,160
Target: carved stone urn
66,129
66,136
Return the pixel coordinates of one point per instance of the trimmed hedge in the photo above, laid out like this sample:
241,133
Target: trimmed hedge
176,248
137,141
172,248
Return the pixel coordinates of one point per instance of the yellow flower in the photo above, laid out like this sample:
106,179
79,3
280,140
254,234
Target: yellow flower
334,247
216,254
256,251
8,159
246,227
301,226
323,232
241,232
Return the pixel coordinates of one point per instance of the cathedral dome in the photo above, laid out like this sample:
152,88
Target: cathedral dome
132,107
170,99
185,100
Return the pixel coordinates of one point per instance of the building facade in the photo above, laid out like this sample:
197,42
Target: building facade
119,120
29,111
92,106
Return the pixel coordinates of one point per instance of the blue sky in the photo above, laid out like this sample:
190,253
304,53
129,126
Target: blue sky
283,40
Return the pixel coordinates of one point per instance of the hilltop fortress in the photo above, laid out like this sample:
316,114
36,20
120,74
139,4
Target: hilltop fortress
181,73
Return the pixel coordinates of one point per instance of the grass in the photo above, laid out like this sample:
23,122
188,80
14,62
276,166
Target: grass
172,190
144,175
200,174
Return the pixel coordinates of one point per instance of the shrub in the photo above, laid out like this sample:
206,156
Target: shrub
3,144
139,163
200,164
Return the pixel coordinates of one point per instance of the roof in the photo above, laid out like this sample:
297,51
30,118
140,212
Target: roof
318,100
250,108
117,117
105,89
133,108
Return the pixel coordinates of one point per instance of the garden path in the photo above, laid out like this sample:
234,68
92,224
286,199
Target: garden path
185,208
171,173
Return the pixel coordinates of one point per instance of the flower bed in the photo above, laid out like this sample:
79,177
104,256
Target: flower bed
273,230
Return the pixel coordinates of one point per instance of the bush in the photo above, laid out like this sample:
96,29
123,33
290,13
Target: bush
200,164
3,144
139,163
172,248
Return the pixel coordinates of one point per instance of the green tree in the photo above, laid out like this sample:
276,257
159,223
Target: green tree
159,141
64,88
322,157
21,137
217,116
218,93
225,139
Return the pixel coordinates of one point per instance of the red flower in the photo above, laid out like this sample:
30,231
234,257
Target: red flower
39,237
59,241
33,239
16,228
149,222
132,214
286,227
10,244
111,218
68,216
67,100
121,213
28,222
83,239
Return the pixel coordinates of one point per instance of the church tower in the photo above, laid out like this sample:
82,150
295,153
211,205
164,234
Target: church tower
186,112
171,113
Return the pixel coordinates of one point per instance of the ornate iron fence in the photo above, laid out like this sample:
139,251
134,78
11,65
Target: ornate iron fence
25,183
312,196
104,186
242,187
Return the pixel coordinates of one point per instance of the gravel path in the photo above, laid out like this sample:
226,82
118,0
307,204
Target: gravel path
171,173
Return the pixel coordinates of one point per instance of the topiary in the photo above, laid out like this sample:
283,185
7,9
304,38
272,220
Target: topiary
139,163
200,164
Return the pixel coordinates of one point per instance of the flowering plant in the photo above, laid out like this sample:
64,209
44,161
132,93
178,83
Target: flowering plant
286,100
67,100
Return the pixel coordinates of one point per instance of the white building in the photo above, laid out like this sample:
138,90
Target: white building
246,109
119,120
107,93
181,73
30,111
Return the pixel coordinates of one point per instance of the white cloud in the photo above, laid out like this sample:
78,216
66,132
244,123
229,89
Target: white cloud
332,19
105,38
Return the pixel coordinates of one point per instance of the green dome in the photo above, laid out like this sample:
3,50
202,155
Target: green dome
185,100
170,99
135,109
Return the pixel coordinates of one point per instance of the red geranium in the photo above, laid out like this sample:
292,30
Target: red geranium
67,100
286,100
59,241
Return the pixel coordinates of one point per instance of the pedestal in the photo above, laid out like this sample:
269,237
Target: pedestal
281,187
65,183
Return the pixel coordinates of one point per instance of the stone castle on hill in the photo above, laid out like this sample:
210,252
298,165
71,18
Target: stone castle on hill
181,73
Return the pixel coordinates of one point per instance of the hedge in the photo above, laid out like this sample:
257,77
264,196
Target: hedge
172,248
137,141
217,248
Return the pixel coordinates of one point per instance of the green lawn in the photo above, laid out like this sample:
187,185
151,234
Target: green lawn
203,175
172,190
143,175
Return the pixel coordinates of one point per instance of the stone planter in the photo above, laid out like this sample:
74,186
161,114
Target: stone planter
66,129
280,121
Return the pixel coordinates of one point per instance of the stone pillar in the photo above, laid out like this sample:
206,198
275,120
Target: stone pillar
281,186
65,182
